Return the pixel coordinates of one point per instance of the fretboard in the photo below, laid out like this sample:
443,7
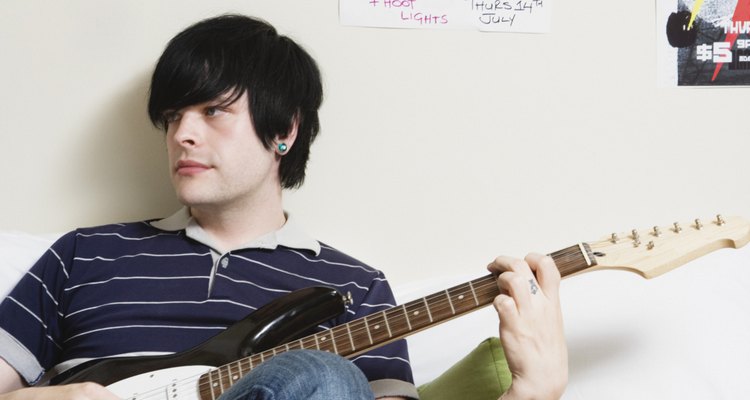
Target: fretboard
380,328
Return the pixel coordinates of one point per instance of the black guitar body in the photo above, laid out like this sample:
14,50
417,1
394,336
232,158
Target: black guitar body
278,322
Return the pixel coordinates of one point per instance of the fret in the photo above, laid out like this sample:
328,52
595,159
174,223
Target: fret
336,334
460,299
427,307
333,342
406,316
221,381
574,259
377,327
286,346
326,342
228,375
204,387
367,329
440,306
474,293
453,309
297,344
360,334
387,325
317,342
309,342
248,368
418,314
214,384
234,372
351,339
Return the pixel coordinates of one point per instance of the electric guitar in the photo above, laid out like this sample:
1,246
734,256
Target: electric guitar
211,368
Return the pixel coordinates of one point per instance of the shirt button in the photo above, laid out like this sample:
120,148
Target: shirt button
224,262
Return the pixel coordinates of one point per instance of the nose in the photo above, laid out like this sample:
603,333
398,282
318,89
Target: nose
185,131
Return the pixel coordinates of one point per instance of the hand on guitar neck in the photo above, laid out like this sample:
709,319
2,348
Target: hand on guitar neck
531,328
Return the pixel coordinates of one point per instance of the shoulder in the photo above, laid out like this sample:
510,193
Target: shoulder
334,255
125,229
125,236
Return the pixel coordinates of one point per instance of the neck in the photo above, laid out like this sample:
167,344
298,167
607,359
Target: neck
231,227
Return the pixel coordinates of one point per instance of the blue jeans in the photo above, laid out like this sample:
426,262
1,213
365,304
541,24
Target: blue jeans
302,374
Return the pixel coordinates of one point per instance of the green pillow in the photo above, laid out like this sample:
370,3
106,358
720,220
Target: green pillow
482,375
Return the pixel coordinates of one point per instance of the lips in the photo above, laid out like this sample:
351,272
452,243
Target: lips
189,167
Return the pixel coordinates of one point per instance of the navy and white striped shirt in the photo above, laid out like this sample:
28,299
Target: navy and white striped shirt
159,287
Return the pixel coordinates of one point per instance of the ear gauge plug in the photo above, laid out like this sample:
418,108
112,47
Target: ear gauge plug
282,148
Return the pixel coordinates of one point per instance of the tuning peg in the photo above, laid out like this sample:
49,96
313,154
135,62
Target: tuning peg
698,224
657,231
720,220
614,238
636,237
677,227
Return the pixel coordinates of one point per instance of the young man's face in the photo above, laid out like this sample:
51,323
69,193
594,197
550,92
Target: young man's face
216,158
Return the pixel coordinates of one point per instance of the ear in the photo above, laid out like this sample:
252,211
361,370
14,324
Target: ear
289,138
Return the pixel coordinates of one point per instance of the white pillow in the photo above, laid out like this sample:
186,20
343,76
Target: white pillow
18,252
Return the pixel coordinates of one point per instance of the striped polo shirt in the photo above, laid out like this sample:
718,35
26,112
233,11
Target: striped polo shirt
159,287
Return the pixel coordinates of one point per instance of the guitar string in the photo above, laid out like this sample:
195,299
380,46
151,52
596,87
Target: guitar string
222,383
482,288
398,314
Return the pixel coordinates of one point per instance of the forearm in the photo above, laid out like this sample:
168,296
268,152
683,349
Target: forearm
79,391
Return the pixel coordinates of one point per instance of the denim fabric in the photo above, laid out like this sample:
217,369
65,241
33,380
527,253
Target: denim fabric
302,374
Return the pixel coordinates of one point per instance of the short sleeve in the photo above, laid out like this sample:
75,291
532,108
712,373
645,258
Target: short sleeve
31,314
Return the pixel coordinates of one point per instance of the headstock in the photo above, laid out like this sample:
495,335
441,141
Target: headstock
657,250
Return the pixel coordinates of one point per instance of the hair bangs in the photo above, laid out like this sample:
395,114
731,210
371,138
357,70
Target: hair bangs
185,78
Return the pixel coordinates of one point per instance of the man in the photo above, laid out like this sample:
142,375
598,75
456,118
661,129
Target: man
239,106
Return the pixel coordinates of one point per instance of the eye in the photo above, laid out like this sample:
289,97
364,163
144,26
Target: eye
170,116
212,111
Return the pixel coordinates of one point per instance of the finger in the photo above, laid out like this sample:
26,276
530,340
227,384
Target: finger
506,310
509,264
546,272
517,286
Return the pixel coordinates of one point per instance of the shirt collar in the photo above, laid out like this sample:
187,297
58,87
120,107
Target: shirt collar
289,235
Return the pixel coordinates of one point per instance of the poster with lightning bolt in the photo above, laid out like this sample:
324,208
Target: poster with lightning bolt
703,42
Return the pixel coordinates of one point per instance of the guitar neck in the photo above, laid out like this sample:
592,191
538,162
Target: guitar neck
380,328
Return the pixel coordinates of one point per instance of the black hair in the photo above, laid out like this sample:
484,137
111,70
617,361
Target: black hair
235,54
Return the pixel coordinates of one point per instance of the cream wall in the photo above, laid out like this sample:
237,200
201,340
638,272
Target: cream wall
439,149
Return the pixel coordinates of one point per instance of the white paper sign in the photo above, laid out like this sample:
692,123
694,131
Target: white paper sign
484,15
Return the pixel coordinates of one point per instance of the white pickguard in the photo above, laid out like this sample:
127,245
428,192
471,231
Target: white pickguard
178,383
